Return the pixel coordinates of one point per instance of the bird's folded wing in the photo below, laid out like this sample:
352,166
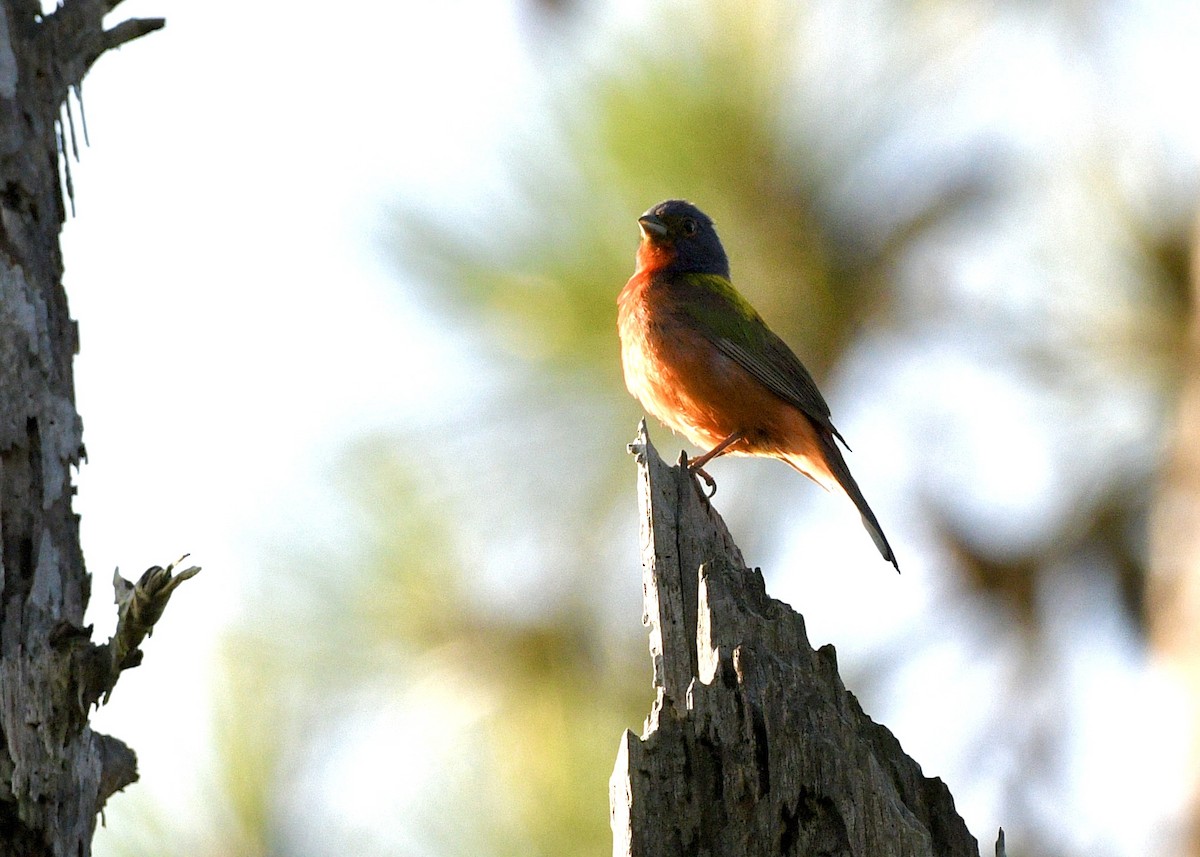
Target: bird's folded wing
781,372
726,318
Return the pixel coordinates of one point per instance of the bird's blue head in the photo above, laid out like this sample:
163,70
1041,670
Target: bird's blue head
678,237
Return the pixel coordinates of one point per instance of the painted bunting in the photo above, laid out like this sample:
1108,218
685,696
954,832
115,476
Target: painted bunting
699,357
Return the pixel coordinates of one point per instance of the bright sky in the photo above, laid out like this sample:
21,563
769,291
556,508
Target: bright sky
239,317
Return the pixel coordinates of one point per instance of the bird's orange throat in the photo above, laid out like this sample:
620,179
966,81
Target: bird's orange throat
633,292
653,256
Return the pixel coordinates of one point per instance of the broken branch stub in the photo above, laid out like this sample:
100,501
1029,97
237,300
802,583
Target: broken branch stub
139,606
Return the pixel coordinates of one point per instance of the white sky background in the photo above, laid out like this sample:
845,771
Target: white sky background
240,320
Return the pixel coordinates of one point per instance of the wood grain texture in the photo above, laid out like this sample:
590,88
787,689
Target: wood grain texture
55,772
753,746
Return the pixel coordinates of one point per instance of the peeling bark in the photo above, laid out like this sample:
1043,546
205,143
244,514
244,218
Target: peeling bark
55,772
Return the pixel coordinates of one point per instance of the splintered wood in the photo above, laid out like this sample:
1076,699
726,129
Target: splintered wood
753,746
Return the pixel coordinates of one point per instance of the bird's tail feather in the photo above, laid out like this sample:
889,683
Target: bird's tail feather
841,472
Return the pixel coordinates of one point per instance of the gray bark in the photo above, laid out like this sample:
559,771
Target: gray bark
753,745
55,772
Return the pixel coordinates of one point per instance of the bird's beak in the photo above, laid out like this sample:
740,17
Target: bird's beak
652,226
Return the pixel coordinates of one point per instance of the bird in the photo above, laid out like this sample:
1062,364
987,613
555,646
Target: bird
701,359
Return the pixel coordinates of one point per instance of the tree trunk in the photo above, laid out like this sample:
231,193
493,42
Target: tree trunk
753,745
55,772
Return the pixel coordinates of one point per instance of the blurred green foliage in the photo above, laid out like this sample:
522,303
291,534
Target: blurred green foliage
534,277
705,118
525,489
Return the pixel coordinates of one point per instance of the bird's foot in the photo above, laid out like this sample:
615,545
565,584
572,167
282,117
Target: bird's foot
703,474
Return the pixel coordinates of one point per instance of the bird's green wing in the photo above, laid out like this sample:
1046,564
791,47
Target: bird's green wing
728,320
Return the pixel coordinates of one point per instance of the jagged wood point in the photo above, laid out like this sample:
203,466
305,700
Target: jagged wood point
753,745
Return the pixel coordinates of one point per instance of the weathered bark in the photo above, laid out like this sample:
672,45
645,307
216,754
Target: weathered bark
55,772
753,746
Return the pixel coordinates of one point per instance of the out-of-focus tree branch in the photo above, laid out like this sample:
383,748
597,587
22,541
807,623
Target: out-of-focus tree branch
1174,591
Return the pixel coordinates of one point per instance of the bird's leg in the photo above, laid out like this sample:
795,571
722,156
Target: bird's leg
708,480
696,465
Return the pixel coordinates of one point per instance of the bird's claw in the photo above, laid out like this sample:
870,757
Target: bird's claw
708,480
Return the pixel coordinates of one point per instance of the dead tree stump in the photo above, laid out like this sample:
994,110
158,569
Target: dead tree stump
753,746
56,773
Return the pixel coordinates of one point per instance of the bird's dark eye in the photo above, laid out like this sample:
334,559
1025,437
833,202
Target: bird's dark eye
689,227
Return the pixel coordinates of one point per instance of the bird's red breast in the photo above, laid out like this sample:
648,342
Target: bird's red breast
679,377
653,257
